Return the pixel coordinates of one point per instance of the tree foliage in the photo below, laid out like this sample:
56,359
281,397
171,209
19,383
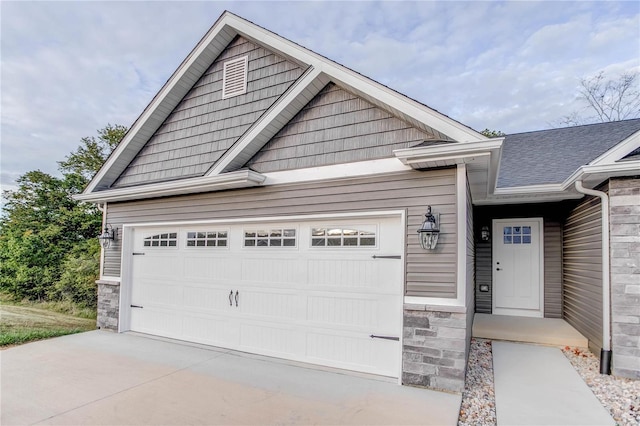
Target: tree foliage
606,99
492,133
47,239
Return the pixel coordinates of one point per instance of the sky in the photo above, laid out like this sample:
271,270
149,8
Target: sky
69,68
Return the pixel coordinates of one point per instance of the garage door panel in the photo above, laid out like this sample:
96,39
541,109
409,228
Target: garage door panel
213,330
274,340
304,303
272,304
210,299
273,270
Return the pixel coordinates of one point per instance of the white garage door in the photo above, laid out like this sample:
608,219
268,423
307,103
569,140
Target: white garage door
313,291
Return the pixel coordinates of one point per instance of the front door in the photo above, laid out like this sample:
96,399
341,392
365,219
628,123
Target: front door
517,267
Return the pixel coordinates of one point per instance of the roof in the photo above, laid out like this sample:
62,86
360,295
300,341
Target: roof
319,72
551,156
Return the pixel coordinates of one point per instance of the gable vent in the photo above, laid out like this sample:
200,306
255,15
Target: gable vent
234,77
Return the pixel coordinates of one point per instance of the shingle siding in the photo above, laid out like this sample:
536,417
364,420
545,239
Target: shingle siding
203,125
336,127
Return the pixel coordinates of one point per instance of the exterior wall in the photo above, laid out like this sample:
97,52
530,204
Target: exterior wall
336,127
108,304
435,348
582,270
433,275
624,213
203,125
553,215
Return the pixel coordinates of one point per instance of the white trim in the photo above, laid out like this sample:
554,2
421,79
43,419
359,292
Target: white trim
403,267
107,278
619,151
103,209
461,221
238,179
336,171
425,153
520,312
432,301
363,214
126,272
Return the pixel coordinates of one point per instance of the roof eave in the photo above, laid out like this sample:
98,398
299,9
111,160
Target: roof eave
234,180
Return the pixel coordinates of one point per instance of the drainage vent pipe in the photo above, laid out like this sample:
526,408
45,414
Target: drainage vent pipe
605,352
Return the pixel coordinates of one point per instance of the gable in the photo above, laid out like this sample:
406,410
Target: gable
204,124
337,127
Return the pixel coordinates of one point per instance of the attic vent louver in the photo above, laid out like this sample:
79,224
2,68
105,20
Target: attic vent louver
234,77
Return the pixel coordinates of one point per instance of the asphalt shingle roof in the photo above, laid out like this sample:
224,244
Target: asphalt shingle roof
551,156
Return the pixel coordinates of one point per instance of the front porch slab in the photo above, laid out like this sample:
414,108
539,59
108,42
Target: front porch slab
545,331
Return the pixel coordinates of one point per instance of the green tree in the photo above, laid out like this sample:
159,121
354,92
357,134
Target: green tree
47,239
492,133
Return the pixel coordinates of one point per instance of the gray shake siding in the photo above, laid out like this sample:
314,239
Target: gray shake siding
426,275
336,127
582,271
552,214
203,126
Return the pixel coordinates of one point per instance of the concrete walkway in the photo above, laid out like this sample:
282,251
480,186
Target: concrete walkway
536,385
124,379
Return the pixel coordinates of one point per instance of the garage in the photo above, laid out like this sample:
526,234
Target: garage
326,291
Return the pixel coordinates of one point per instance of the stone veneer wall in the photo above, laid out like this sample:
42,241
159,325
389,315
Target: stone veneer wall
435,347
108,304
624,215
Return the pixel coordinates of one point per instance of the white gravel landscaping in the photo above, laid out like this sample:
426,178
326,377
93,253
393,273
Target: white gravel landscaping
620,396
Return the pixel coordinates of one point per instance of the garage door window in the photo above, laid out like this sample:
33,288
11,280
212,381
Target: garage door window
169,239
270,238
343,237
207,239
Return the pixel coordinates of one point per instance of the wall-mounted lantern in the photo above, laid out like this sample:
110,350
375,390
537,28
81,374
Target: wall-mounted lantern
430,230
485,235
108,235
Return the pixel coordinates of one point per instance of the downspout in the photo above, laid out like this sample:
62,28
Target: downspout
605,351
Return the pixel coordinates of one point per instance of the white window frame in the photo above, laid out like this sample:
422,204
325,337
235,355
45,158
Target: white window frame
358,228
269,230
208,231
160,239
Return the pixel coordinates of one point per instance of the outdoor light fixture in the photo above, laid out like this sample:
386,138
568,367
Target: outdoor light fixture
484,233
429,230
107,236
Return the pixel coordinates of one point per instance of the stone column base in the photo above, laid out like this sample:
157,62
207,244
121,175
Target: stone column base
108,304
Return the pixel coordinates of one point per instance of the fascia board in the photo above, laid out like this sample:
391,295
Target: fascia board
427,153
530,189
238,179
123,152
619,151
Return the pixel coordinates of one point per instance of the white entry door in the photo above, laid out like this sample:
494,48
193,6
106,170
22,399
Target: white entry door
312,291
518,267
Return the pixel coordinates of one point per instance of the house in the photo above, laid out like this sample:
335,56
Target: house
268,200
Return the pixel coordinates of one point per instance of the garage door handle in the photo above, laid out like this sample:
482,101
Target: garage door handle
373,336
237,294
136,306
386,257
231,298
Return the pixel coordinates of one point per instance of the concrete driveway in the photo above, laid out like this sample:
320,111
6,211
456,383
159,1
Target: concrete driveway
105,378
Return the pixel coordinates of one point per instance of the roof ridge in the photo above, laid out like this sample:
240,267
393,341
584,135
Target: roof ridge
575,127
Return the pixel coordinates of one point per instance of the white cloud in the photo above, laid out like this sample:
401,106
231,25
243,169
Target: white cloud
69,68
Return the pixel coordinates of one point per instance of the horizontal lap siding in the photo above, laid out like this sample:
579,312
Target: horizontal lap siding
203,126
427,274
336,127
582,270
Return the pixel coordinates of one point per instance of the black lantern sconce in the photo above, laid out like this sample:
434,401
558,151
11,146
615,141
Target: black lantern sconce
430,230
485,235
107,236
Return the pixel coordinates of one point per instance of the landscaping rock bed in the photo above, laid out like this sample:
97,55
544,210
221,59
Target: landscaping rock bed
478,400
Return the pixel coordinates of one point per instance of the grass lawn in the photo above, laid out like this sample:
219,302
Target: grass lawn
21,324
